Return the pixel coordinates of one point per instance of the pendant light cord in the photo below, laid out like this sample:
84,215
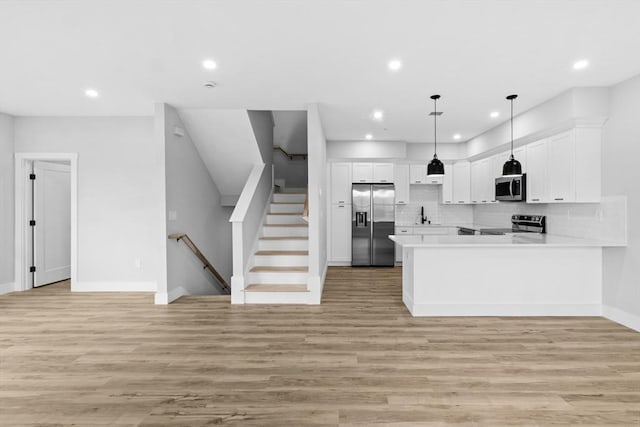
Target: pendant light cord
512,128
435,128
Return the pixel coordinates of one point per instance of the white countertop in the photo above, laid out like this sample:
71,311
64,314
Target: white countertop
511,240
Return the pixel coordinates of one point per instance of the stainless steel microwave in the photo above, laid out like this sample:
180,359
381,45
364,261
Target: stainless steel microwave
512,188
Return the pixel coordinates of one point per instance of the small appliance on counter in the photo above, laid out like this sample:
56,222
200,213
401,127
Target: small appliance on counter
511,188
520,224
372,222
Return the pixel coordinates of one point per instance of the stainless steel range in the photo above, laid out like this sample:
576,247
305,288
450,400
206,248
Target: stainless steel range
520,224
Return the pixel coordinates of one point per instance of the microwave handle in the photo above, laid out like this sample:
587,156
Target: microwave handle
511,187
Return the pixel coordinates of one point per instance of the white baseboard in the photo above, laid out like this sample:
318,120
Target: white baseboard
113,286
622,317
339,264
514,310
5,288
163,298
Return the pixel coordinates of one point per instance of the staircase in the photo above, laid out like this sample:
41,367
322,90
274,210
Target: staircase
281,263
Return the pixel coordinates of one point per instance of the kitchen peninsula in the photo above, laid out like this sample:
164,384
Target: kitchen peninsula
524,274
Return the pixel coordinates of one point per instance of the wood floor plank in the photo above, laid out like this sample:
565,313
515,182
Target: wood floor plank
359,359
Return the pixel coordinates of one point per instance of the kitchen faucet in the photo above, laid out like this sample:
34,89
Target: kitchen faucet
423,218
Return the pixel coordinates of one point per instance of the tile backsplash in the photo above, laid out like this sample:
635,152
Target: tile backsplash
429,196
606,220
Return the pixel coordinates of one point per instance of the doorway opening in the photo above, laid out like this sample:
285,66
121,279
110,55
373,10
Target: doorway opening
46,219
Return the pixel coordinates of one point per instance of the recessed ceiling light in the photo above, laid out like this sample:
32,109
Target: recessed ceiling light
583,63
395,64
456,136
368,136
209,64
91,93
494,114
378,114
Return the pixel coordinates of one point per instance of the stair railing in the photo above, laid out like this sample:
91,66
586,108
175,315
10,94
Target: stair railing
202,258
291,156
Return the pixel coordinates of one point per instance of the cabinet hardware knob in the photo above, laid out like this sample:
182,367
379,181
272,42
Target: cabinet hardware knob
535,200
559,198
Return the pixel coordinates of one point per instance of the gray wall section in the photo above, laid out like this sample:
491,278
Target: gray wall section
262,124
6,199
194,197
294,172
621,175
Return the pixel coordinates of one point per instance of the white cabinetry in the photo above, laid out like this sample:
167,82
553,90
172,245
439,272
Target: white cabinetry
340,233
383,172
373,172
537,175
588,165
401,181
480,180
400,231
340,183
363,172
562,167
418,174
447,185
461,182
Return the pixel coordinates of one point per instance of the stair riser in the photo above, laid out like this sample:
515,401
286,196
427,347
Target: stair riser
281,260
277,278
285,219
283,245
276,297
285,231
288,198
287,208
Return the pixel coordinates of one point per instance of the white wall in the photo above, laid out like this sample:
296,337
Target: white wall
290,131
262,126
120,194
562,112
194,198
317,203
621,175
6,203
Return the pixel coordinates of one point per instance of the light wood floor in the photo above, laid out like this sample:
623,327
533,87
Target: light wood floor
359,359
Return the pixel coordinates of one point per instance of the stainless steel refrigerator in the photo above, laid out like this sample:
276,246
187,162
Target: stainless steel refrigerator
372,221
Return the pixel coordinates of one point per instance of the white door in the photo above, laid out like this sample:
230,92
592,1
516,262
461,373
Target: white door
341,233
383,172
52,214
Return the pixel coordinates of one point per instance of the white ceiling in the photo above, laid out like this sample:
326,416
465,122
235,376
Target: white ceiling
276,55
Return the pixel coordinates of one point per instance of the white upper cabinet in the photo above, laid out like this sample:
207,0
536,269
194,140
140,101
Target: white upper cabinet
588,165
461,182
418,174
401,181
520,154
447,185
562,167
537,173
363,172
340,183
383,172
373,172
480,180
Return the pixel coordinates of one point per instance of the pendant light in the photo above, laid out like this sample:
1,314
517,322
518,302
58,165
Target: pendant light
435,166
512,166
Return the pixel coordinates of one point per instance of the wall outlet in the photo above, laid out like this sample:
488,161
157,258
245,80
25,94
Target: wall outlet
173,215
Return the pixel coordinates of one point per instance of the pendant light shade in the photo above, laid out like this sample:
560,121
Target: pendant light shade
435,166
512,166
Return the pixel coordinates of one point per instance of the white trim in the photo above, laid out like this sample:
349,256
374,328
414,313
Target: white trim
113,286
21,226
339,263
622,317
5,288
167,298
516,310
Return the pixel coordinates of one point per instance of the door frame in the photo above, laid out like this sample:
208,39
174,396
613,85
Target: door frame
22,228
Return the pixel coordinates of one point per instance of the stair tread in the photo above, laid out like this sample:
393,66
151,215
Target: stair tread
284,238
286,225
287,203
283,252
284,213
276,288
270,269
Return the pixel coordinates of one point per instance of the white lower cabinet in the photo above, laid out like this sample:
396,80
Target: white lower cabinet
340,233
401,231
